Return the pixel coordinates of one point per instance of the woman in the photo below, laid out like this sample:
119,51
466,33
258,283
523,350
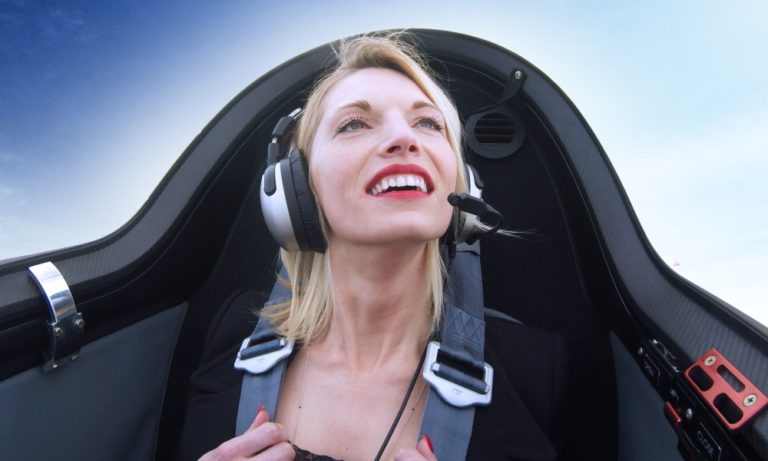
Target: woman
382,141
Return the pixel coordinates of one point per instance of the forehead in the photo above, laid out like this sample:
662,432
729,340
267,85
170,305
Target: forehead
376,86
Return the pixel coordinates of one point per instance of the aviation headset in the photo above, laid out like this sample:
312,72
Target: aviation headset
289,207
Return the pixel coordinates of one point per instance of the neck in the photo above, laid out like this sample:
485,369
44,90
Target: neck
381,304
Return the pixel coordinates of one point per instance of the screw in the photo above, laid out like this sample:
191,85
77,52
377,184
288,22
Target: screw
710,360
80,323
689,414
518,74
58,331
640,350
750,400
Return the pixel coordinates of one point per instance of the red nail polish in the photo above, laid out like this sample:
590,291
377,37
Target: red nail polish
429,442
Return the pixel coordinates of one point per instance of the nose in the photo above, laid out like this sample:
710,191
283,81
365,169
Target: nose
401,139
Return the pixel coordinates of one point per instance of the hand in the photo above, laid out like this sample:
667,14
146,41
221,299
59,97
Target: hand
263,441
422,452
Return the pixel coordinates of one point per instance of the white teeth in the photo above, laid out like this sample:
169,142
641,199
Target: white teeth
399,181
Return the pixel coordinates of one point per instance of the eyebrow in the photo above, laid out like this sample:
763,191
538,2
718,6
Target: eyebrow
423,104
366,106
359,104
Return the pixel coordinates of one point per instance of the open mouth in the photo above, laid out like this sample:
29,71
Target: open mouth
408,179
399,182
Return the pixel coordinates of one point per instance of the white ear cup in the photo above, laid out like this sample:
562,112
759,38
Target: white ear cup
289,207
275,210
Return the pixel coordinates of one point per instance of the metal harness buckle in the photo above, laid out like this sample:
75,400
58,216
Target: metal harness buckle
260,356
455,386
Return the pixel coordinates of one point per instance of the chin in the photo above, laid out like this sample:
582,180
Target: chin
390,235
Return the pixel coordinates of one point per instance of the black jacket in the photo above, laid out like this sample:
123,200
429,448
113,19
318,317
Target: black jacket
525,421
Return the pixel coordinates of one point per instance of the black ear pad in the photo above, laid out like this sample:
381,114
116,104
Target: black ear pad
302,208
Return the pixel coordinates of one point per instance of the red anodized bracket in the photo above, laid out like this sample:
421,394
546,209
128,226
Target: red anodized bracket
730,395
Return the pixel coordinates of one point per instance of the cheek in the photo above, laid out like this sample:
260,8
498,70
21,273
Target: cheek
322,188
449,169
331,183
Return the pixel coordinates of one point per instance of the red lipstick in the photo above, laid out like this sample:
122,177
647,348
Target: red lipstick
398,169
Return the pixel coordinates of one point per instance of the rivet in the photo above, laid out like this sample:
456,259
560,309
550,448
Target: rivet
80,323
750,400
518,74
689,414
640,350
58,331
54,365
673,393
74,357
710,360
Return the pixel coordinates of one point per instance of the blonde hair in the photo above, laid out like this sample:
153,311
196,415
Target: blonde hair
307,314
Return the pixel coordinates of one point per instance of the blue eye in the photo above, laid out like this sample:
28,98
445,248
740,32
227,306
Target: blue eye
352,125
430,124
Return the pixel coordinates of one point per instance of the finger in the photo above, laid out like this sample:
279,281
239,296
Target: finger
409,454
283,451
252,442
262,437
261,417
425,448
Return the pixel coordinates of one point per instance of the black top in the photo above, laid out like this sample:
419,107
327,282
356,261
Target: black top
304,455
525,421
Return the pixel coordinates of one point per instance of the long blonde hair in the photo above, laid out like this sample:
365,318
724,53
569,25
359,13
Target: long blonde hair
307,314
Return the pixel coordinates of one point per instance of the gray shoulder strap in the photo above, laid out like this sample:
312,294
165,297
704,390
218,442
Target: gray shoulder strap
257,390
262,357
455,368
456,390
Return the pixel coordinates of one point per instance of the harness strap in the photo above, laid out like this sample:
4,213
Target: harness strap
261,388
462,340
455,368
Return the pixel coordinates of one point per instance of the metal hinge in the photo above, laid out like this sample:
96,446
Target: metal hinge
66,327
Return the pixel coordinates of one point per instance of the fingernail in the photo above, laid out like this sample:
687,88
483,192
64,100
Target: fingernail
429,442
261,408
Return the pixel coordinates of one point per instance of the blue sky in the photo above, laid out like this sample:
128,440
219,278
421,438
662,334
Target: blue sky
97,100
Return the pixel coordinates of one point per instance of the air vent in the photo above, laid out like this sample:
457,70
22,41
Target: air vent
495,128
495,133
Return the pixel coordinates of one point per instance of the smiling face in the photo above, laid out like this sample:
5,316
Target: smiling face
381,164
